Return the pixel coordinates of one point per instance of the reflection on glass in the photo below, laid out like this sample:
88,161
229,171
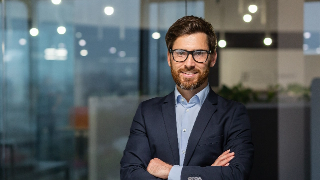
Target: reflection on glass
34,32
71,91
222,43
267,41
247,18
253,8
61,30
108,10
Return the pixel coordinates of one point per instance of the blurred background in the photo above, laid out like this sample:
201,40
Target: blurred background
74,71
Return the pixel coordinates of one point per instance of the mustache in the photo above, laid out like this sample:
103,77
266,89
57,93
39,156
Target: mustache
186,69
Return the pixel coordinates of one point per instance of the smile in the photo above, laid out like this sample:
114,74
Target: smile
189,74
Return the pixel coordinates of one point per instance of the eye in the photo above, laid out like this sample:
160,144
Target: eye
199,53
180,52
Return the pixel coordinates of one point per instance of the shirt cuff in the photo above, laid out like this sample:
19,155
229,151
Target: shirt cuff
175,173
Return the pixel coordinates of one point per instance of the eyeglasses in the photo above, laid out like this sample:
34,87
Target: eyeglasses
199,56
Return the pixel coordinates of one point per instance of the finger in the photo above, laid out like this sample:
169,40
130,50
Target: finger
229,155
227,160
227,164
226,152
222,162
225,156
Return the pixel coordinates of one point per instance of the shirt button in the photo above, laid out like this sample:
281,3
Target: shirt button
183,152
182,99
184,130
187,110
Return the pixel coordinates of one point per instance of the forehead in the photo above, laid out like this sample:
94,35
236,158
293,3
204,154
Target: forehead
191,41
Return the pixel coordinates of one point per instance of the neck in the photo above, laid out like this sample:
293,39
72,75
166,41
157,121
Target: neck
188,94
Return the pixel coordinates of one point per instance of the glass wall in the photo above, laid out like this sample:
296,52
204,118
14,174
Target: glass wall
74,71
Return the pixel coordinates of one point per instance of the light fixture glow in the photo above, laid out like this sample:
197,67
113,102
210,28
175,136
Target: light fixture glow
247,18
305,47
112,50
222,43
82,42
307,35
253,8
78,34
108,10
318,50
61,45
83,52
267,41
22,41
59,54
34,32
156,35
56,2
61,30
122,53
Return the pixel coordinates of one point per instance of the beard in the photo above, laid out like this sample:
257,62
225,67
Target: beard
189,83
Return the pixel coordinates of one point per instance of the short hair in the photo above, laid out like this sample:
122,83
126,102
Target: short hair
189,25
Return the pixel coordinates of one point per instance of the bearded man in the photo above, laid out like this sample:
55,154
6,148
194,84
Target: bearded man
192,133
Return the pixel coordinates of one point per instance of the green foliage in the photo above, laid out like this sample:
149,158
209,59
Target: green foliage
237,93
248,95
299,91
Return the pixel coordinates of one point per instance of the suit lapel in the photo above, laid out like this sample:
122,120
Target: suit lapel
169,117
203,118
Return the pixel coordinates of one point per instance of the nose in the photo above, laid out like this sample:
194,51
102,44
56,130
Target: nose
189,63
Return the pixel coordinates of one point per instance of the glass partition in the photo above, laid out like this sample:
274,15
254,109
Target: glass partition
73,73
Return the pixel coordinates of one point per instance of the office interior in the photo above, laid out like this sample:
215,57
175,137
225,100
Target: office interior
73,73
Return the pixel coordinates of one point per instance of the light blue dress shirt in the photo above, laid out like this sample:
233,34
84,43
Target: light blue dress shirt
186,114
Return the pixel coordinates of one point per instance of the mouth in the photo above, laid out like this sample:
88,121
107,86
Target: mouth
189,74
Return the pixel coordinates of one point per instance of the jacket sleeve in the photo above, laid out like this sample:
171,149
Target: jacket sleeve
238,141
136,155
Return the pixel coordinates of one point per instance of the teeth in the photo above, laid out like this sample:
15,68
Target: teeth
189,73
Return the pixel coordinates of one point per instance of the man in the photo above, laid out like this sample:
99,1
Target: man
192,133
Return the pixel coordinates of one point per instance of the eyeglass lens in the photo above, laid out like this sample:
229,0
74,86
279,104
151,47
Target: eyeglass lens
182,55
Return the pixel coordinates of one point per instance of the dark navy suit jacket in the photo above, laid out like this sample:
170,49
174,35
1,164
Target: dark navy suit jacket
220,125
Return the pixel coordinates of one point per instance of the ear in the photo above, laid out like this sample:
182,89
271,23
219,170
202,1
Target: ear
169,58
213,59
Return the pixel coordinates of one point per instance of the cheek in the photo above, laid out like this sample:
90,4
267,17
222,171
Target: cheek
203,67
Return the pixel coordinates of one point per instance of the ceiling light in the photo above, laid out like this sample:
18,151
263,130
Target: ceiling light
253,8
267,41
222,43
108,10
83,52
156,35
247,18
61,30
34,32
112,50
22,41
56,2
307,35
82,42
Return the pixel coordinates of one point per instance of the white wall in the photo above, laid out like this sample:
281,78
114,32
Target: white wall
253,68
312,68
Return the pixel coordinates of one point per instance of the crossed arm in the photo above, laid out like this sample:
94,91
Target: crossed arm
138,162
160,169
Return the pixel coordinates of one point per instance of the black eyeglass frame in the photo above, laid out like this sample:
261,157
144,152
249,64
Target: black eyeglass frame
190,52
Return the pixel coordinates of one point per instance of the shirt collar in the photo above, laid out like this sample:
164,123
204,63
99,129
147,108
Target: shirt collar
197,98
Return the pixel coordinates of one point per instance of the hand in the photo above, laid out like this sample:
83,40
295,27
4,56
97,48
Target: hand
224,159
159,168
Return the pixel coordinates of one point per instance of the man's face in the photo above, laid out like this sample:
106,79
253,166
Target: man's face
189,74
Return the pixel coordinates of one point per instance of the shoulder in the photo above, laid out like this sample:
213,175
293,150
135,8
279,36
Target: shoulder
229,103
226,105
156,102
